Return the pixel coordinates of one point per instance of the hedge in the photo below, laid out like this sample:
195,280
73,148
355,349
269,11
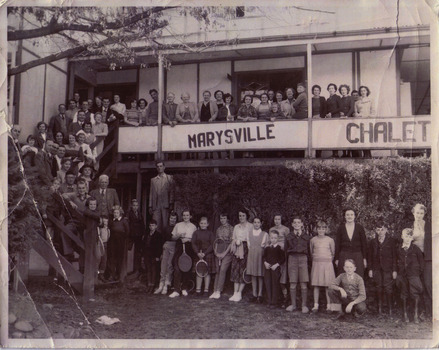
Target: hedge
313,189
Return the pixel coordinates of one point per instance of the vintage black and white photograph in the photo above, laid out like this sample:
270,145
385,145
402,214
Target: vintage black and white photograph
243,174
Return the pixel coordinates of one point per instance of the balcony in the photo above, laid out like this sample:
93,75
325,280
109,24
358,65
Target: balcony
260,137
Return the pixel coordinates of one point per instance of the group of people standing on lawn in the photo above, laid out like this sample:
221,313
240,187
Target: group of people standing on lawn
285,258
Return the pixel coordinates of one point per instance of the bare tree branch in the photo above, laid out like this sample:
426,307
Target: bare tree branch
54,27
71,52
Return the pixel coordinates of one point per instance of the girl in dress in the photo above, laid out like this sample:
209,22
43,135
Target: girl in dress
263,109
239,250
202,245
322,272
257,241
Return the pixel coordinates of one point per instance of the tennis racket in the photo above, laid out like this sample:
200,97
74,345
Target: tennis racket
201,268
219,247
247,278
184,261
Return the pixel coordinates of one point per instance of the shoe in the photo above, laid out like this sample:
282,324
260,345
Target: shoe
290,308
159,289
260,300
238,297
174,295
233,297
217,295
315,309
253,299
165,290
212,296
198,294
305,310
184,292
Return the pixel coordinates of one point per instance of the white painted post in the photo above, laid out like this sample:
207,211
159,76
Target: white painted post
160,108
309,153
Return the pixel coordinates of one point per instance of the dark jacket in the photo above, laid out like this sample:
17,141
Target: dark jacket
119,228
153,244
410,261
297,245
322,106
382,256
347,106
357,244
137,227
222,113
333,106
273,255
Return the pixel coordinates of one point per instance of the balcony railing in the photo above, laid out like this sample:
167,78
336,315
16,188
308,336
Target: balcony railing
383,133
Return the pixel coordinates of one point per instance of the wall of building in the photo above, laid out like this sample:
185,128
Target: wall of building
148,79
56,91
213,76
182,78
270,64
332,68
378,73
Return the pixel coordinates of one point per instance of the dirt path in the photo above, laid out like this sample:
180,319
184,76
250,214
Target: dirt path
158,317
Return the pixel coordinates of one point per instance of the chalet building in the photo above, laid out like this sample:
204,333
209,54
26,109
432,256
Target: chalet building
371,43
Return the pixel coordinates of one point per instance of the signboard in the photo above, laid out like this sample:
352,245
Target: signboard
236,136
141,139
372,133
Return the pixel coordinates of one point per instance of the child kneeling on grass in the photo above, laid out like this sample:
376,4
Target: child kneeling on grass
348,291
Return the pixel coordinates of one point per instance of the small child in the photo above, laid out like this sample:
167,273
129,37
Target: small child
275,112
202,245
66,164
224,232
283,232
383,264
410,269
103,236
297,254
255,268
348,291
322,271
153,247
273,258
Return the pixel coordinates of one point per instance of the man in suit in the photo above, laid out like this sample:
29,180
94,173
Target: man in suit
59,122
46,163
89,117
107,197
71,112
76,126
169,109
161,196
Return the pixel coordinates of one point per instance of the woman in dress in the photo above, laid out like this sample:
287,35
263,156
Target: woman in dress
247,113
219,98
100,130
228,111
258,239
142,110
364,108
347,107
351,243
318,103
133,116
239,248
263,109
423,239
187,111
333,107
